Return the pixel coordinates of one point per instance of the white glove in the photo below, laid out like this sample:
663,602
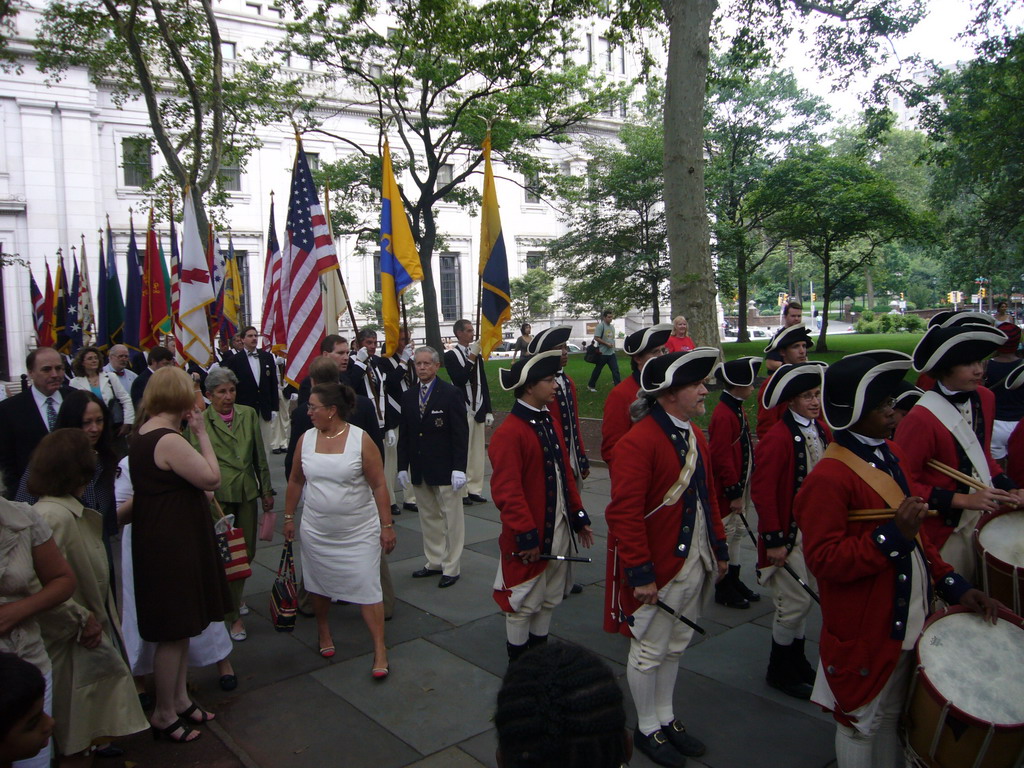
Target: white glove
362,355
402,479
488,419
458,480
390,438
475,348
294,396
407,353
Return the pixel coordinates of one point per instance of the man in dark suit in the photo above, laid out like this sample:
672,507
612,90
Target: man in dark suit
466,370
159,357
29,416
432,441
257,380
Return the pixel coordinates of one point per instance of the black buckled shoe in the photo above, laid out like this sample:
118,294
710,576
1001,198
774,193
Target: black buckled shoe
784,672
657,747
742,588
726,594
677,736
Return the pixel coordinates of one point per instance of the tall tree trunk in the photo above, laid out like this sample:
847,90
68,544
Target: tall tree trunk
826,299
742,334
693,282
869,288
655,301
426,246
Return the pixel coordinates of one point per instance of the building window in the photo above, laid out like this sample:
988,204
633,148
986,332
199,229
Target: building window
137,161
623,109
228,50
277,10
230,177
284,56
451,287
255,8
376,71
590,48
313,161
622,59
530,195
535,260
376,272
607,52
566,168
444,174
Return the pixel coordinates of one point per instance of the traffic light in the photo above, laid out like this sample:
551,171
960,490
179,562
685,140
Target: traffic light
814,297
950,298
981,292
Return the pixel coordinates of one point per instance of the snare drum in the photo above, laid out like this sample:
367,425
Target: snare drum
966,704
999,540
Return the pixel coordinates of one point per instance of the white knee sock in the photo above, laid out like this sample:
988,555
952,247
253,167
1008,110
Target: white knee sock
666,686
853,748
888,752
642,686
517,628
783,635
540,622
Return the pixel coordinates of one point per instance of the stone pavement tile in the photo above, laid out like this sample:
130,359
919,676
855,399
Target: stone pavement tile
453,757
466,601
432,699
734,617
140,750
487,547
481,642
303,724
578,620
484,512
739,658
477,529
409,543
484,746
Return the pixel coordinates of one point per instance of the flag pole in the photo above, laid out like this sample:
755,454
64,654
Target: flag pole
341,278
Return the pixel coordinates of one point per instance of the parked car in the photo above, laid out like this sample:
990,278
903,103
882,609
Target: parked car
503,351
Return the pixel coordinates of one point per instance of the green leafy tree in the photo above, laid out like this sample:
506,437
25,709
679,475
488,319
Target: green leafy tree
371,307
203,112
753,114
531,295
435,79
614,252
838,209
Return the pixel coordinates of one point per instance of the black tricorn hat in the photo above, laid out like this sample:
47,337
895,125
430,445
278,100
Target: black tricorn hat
533,368
1015,377
740,372
948,318
858,383
906,395
677,370
548,339
646,339
792,379
946,346
789,336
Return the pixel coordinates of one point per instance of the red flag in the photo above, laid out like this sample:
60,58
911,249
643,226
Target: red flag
46,332
153,313
273,317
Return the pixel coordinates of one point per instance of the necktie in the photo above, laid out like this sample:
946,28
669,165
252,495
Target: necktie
424,390
51,414
119,373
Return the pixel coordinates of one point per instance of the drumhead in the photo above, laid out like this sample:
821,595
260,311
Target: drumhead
976,666
1003,537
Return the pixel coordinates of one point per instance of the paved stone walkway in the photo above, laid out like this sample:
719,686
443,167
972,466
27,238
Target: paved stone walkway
293,709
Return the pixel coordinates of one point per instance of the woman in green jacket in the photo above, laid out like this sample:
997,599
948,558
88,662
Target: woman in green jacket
234,431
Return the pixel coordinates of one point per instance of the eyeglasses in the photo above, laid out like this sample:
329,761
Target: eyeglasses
886,405
809,397
311,407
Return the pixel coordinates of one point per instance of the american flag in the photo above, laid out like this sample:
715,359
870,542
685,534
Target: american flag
38,311
308,252
273,319
179,348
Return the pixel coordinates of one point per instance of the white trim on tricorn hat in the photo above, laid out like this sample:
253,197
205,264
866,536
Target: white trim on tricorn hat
646,339
907,395
949,318
1014,378
790,380
945,346
787,337
859,382
741,372
548,339
677,370
528,369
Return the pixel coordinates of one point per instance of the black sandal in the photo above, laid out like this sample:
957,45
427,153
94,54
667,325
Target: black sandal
205,716
170,730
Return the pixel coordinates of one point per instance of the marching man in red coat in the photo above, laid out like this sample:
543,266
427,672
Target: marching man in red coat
783,459
669,543
790,345
541,511
641,346
876,577
952,423
732,463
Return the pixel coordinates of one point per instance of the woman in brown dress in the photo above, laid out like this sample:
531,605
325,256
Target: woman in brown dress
179,580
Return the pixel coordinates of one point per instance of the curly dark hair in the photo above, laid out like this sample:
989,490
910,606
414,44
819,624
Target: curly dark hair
61,464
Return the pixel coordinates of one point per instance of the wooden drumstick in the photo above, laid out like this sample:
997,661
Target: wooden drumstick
880,515
957,475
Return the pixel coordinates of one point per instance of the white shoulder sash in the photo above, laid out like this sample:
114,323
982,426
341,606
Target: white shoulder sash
951,418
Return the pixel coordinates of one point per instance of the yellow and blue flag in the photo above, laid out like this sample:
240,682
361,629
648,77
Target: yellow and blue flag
399,261
495,301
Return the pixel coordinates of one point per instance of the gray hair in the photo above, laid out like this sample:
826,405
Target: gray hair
431,351
218,377
640,408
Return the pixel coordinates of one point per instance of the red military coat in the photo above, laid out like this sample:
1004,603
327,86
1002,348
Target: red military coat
616,422
857,578
923,437
767,417
518,487
725,432
646,465
773,486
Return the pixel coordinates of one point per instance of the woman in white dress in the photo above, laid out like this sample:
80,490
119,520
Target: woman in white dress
346,519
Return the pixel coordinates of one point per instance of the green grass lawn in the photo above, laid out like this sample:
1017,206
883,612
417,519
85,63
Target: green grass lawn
592,403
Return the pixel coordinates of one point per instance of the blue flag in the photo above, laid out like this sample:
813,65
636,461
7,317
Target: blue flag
73,323
133,296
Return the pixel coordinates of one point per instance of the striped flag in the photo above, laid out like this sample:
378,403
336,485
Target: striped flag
46,336
86,314
399,262
308,252
38,310
273,326
495,300
195,290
